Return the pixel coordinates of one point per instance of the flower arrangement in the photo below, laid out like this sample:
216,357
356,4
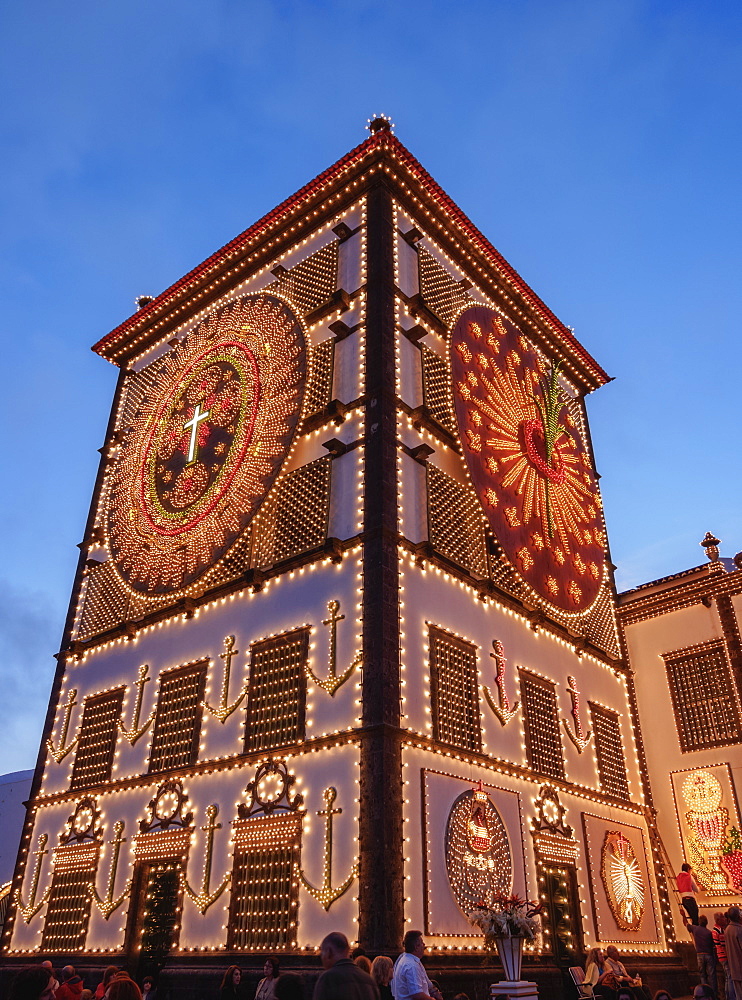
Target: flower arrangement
508,916
731,858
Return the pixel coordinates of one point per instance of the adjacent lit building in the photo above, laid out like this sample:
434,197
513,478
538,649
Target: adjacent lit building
683,641
342,650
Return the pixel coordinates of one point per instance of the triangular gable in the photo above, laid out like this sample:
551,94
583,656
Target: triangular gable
347,173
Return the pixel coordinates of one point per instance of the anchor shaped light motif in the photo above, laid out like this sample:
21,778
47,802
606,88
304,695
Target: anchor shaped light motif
334,680
326,895
60,752
503,711
107,905
135,731
30,911
579,737
224,710
204,898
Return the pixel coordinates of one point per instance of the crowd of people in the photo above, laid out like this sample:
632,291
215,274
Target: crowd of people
40,982
346,976
718,948
718,952
352,976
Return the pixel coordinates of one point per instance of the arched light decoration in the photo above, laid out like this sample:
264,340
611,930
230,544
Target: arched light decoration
207,443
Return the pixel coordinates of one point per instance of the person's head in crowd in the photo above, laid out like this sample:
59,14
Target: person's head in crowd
363,963
357,951
594,957
612,952
148,985
734,914
289,987
703,920
662,995
270,968
232,977
720,919
108,975
624,995
123,988
335,946
685,867
414,944
703,992
382,970
33,983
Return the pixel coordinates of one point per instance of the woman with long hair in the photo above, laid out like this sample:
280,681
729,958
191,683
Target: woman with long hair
230,983
594,969
382,970
100,990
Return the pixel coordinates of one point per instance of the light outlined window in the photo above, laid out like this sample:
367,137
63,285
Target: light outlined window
606,727
276,695
707,712
67,912
541,723
454,689
97,743
264,898
177,727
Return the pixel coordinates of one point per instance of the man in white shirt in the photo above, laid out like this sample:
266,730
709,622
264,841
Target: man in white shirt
410,980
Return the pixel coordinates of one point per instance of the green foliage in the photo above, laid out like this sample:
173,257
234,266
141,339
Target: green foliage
733,842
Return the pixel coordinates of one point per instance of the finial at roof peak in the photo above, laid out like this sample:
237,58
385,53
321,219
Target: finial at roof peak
380,123
711,544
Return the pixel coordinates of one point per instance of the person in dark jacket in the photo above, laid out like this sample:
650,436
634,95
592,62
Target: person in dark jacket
289,986
72,985
230,988
342,979
705,950
33,983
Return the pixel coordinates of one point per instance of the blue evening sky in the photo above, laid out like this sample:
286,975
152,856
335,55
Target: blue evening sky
595,142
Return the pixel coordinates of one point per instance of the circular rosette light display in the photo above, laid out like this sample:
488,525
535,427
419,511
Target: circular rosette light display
527,460
623,881
478,858
207,443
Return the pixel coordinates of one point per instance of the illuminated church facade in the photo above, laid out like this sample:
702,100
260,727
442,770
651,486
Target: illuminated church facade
342,650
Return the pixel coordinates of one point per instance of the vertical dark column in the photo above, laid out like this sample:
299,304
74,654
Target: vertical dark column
730,630
381,877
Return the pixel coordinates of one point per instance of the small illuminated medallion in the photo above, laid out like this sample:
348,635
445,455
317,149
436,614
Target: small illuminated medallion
623,881
83,819
527,460
167,804
207,443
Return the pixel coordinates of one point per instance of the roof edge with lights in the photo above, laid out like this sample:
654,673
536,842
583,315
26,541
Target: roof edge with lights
119,345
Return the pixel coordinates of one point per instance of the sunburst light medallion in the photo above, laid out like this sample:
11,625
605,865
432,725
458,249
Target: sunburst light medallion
207,443
527,460
623,881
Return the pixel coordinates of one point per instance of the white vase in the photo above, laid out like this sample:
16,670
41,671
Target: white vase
510,951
